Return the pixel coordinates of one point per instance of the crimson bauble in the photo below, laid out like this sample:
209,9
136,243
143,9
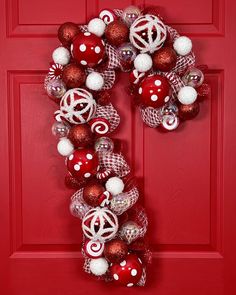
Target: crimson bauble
81,135
92,192
88,49
117,33
189,111
164,59
115,251
73,76
154,91
67,32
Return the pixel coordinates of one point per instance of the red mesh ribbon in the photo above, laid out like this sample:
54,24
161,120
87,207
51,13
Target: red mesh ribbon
108,112
114,162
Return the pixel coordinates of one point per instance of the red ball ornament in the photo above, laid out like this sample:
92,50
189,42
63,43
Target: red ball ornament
73,183
115,251
164,59
73,76
154,91
104,98
117,33
67,32
83,163
88,49
81,135
92,192
189,111
128,272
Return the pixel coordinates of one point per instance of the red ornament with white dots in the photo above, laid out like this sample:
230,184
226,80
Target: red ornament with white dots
154,91
83,163
128,272
88,49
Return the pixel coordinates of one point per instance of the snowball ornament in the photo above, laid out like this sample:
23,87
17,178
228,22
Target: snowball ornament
187,95
61,56
148,33
182,45
94,81
65,147
96,26
98,266
143,62
100,224
115,185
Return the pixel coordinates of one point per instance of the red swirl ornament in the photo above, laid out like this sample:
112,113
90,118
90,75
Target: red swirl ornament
100,126
93,249
107,15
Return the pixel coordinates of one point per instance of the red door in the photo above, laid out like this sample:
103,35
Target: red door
187,176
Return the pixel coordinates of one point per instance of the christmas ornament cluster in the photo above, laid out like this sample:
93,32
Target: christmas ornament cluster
165,85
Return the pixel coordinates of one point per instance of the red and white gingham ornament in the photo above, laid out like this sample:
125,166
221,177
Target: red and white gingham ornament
148,33
107,15
77,106
100,126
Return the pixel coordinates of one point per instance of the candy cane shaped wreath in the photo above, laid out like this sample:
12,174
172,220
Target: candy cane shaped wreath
164,84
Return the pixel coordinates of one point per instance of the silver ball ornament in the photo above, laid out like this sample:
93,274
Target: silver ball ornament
104,145
193,77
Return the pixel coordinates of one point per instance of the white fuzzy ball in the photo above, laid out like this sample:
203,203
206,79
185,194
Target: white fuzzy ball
115,185
143,62
96,26
183,45
98,266
94,81
187,95
65,147
61,56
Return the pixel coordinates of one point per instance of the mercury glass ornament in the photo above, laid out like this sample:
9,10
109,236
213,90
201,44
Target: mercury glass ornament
129,231
193,77
127,54
60,129
120,203
55,89
130,14
78,208
104,145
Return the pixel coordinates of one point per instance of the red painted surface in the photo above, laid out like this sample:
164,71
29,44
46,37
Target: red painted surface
187,177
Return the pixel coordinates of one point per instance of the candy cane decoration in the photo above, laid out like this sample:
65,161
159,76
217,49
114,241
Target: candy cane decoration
103,174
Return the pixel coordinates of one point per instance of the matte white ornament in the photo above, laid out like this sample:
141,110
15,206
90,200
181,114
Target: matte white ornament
115,185
61,55
143,62
77,106
97,26
187,95
100,224
94,81
98,266
65,147
148,33
183,45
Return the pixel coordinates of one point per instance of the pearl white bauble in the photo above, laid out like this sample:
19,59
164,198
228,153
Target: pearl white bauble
61,56
98,266
143,62
183,45
115,185
96,26
187,95
65,147
94,81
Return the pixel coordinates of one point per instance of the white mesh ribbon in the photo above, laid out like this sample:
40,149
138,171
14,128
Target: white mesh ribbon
108,112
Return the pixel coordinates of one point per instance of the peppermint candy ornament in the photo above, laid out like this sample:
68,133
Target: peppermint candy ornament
55,71
100,126
77,106
107,15
100,224
93,249
148,33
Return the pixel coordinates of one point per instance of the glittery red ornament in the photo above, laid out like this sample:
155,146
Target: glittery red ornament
73,76
189,111
92,192
81,135
73,183
117,33
138,245
103,98
67,32
115,251
164,59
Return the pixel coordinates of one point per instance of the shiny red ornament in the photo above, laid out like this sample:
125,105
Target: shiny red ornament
115,251
154,91
67,32
81,135
83,163
117,33
164,59
92,192
190,111
128,272
88,49
73,76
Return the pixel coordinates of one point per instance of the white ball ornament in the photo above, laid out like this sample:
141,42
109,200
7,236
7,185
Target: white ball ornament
183,45
94,81
143,62
65,147
115,185
97,26
98,266
187,95
61,56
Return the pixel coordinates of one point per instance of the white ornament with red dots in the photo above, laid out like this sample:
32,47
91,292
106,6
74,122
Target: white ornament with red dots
93,249
97,26
61,56
94,81
108,16
143,62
